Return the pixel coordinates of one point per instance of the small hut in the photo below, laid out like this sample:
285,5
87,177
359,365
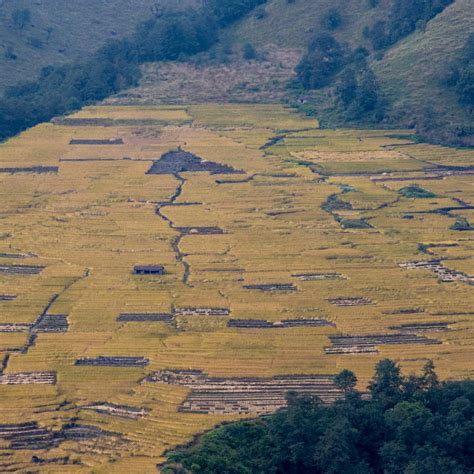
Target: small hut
149,270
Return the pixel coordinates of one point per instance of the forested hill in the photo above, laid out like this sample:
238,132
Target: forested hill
414,54
358,63
35,34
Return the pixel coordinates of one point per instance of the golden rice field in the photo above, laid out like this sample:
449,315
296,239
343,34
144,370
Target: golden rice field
306,201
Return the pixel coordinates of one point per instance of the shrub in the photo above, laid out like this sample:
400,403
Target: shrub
415,191
462,225
332,20
249,52
20,18
324,58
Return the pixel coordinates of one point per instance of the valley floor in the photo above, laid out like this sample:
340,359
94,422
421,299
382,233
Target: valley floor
278,254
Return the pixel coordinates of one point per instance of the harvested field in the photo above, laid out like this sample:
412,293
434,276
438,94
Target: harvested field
286,323
422,327
51,323
28,378
80,233
361,344
241,396
350,301
318,276
93,141
15,327
28,436
111,361
404,311
145,317
274,287
46,323
31,169
21,269
121,411
8,297
445,274
15,255
201,312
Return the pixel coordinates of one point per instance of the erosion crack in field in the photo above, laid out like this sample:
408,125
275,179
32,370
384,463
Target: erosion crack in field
175,242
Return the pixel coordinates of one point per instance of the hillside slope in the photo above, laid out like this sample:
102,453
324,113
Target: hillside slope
292,24
57,31
279,31
412,72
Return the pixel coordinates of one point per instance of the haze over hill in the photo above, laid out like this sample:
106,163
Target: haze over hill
35,34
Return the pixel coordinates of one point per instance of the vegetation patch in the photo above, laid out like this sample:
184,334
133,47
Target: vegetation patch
462,225
397,427
181,161
416,191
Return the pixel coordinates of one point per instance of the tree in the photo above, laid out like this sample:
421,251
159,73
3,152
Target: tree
332,20
387,384
249,52
336,451
346,90
346,381
465,85
428,432
20,18
325,57
429,378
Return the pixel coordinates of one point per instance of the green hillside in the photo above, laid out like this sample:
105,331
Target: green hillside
58,31
292,24
412,72
399,51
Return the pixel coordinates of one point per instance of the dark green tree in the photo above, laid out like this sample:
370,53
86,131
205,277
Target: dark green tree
387,384
346,381
325,57
21,18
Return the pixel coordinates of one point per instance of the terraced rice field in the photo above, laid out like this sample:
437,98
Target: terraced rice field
267,218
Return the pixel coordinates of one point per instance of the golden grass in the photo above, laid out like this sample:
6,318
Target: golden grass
92,222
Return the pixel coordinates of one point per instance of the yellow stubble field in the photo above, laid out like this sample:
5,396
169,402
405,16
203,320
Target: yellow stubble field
92,221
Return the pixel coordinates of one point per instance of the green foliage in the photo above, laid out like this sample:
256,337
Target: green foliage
358,94
353,223
403,19
415,191
346,381
174,34
409,425
332,20
229,11
461,75
334,203
21,18
462,225
249,52
325,57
